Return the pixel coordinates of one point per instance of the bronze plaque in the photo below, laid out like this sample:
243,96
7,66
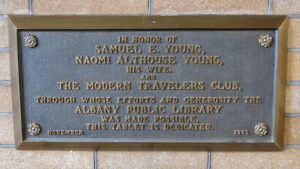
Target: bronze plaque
166,82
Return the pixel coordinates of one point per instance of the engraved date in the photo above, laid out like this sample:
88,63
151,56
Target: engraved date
238,132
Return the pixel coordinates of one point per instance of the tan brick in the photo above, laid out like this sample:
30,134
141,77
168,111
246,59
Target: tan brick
293,67
288,158
3,33
90,7
210,7
5,99
286,7
294,33
292,131
6,129
152,159
11,158
14,6
292,100
4,66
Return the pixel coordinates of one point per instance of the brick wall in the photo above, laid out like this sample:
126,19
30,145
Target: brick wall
289,158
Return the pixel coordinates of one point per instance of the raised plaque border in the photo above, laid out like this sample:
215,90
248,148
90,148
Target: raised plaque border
279,23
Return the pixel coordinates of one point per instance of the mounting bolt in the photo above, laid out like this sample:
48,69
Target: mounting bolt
30,41
265,41
261,129
34,129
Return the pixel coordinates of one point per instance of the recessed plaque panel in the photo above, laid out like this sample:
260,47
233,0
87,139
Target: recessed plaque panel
207,82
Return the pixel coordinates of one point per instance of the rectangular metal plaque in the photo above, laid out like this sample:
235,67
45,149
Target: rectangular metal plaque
166,82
